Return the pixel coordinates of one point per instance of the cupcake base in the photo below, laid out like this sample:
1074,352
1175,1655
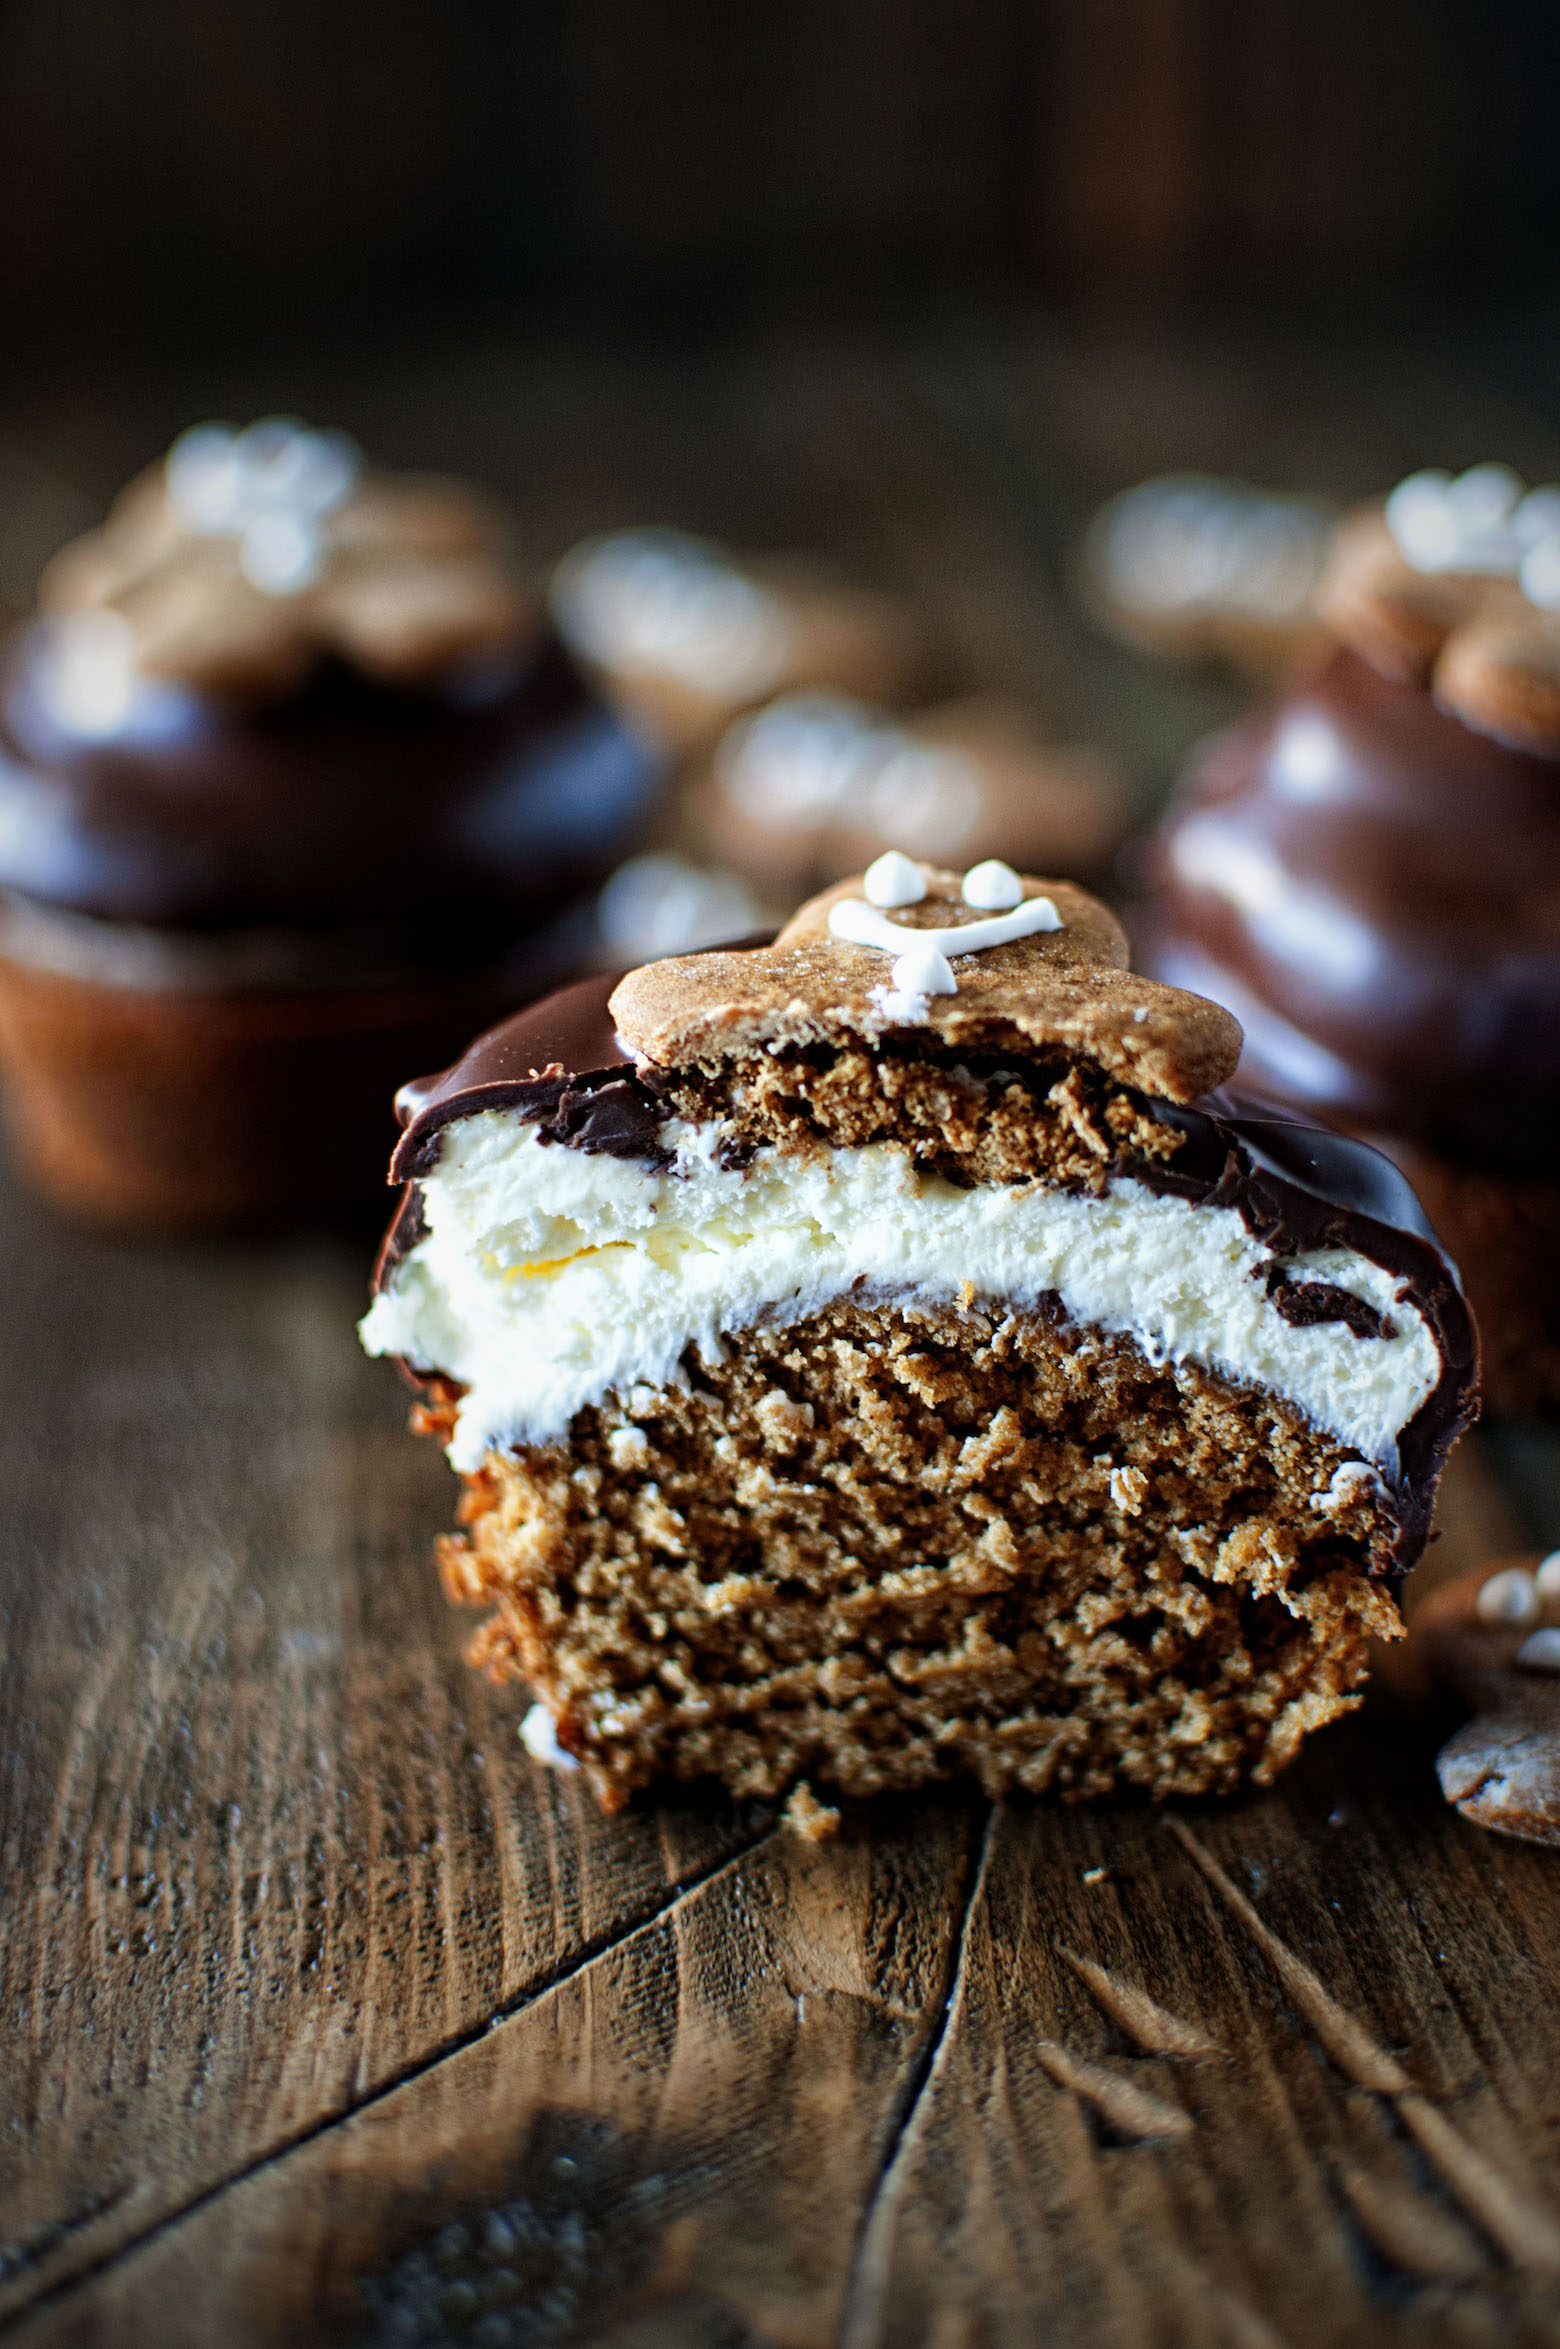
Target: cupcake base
166,1109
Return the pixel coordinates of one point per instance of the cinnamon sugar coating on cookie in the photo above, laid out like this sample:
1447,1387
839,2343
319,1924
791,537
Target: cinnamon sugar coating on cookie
1066,991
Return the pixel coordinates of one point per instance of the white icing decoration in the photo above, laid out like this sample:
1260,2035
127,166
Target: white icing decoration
893,880
281,553
906,1010
863,925
993,886
1507,1597
1540,1651
1484,521
924,970
269,487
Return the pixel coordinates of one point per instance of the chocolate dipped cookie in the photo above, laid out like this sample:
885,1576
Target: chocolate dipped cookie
296,782
885,1355
1366,875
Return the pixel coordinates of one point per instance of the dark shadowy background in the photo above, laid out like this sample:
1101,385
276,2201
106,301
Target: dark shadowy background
181,166
912,281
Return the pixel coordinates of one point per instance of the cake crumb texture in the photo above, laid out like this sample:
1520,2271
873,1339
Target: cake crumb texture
975,1120
804,1815
891,1544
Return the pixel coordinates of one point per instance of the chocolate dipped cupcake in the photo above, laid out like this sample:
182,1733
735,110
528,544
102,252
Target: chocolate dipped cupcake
1368,876
878,1357
296,781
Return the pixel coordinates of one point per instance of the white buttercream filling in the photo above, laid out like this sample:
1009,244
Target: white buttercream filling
549,1277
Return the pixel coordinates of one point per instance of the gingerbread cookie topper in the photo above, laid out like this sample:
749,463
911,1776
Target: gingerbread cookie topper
1454,582
988,960
247,557
1492,1638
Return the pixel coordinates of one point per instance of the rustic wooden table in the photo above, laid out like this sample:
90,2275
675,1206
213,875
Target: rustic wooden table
328,2018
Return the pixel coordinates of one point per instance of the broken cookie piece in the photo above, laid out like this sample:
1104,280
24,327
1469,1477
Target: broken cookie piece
1492,1638
876,1357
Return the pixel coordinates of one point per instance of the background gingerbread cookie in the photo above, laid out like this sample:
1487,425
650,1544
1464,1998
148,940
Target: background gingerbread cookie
1364,873
1492,1640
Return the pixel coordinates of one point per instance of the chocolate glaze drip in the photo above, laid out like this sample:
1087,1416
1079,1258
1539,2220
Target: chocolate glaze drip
1297,1187
459,815
1373,889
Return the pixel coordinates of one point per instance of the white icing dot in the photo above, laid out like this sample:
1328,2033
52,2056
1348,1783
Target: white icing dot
281,553
1539,574
1486,494
539,1736
223,484
905,1010
1540,1651
1538,516
1546,1580
201,472
892,879
993,886
1508,1597
90,673
924,970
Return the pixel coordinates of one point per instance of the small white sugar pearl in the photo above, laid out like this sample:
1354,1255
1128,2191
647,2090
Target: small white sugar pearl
993,886
893,880
1508,1597
1540,1651
924,970
1546,1579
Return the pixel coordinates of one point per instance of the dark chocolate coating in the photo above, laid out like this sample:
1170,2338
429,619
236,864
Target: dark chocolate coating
1298,1187
1374,890
458,818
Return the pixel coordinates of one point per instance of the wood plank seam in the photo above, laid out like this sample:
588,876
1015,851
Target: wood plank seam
861,2327
1519,2226
31,2250
673,1898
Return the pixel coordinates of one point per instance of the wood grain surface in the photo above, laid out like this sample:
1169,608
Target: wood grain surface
328,2018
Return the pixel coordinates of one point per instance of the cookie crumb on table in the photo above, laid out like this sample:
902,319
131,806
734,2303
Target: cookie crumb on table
804,1815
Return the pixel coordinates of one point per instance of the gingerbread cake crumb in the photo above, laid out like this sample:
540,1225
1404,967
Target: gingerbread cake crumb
804,1815
943,1564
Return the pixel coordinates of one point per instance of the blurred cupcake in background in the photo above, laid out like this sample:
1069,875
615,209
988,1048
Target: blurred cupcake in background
297,784
1194,568
815,786
659,904
683,636
1368,876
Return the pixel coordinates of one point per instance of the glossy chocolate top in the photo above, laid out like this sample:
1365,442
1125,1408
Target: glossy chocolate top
463,813
1373,889
1298,1187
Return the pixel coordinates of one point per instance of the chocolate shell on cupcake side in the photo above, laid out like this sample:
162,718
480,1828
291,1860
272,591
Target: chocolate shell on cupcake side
264,846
